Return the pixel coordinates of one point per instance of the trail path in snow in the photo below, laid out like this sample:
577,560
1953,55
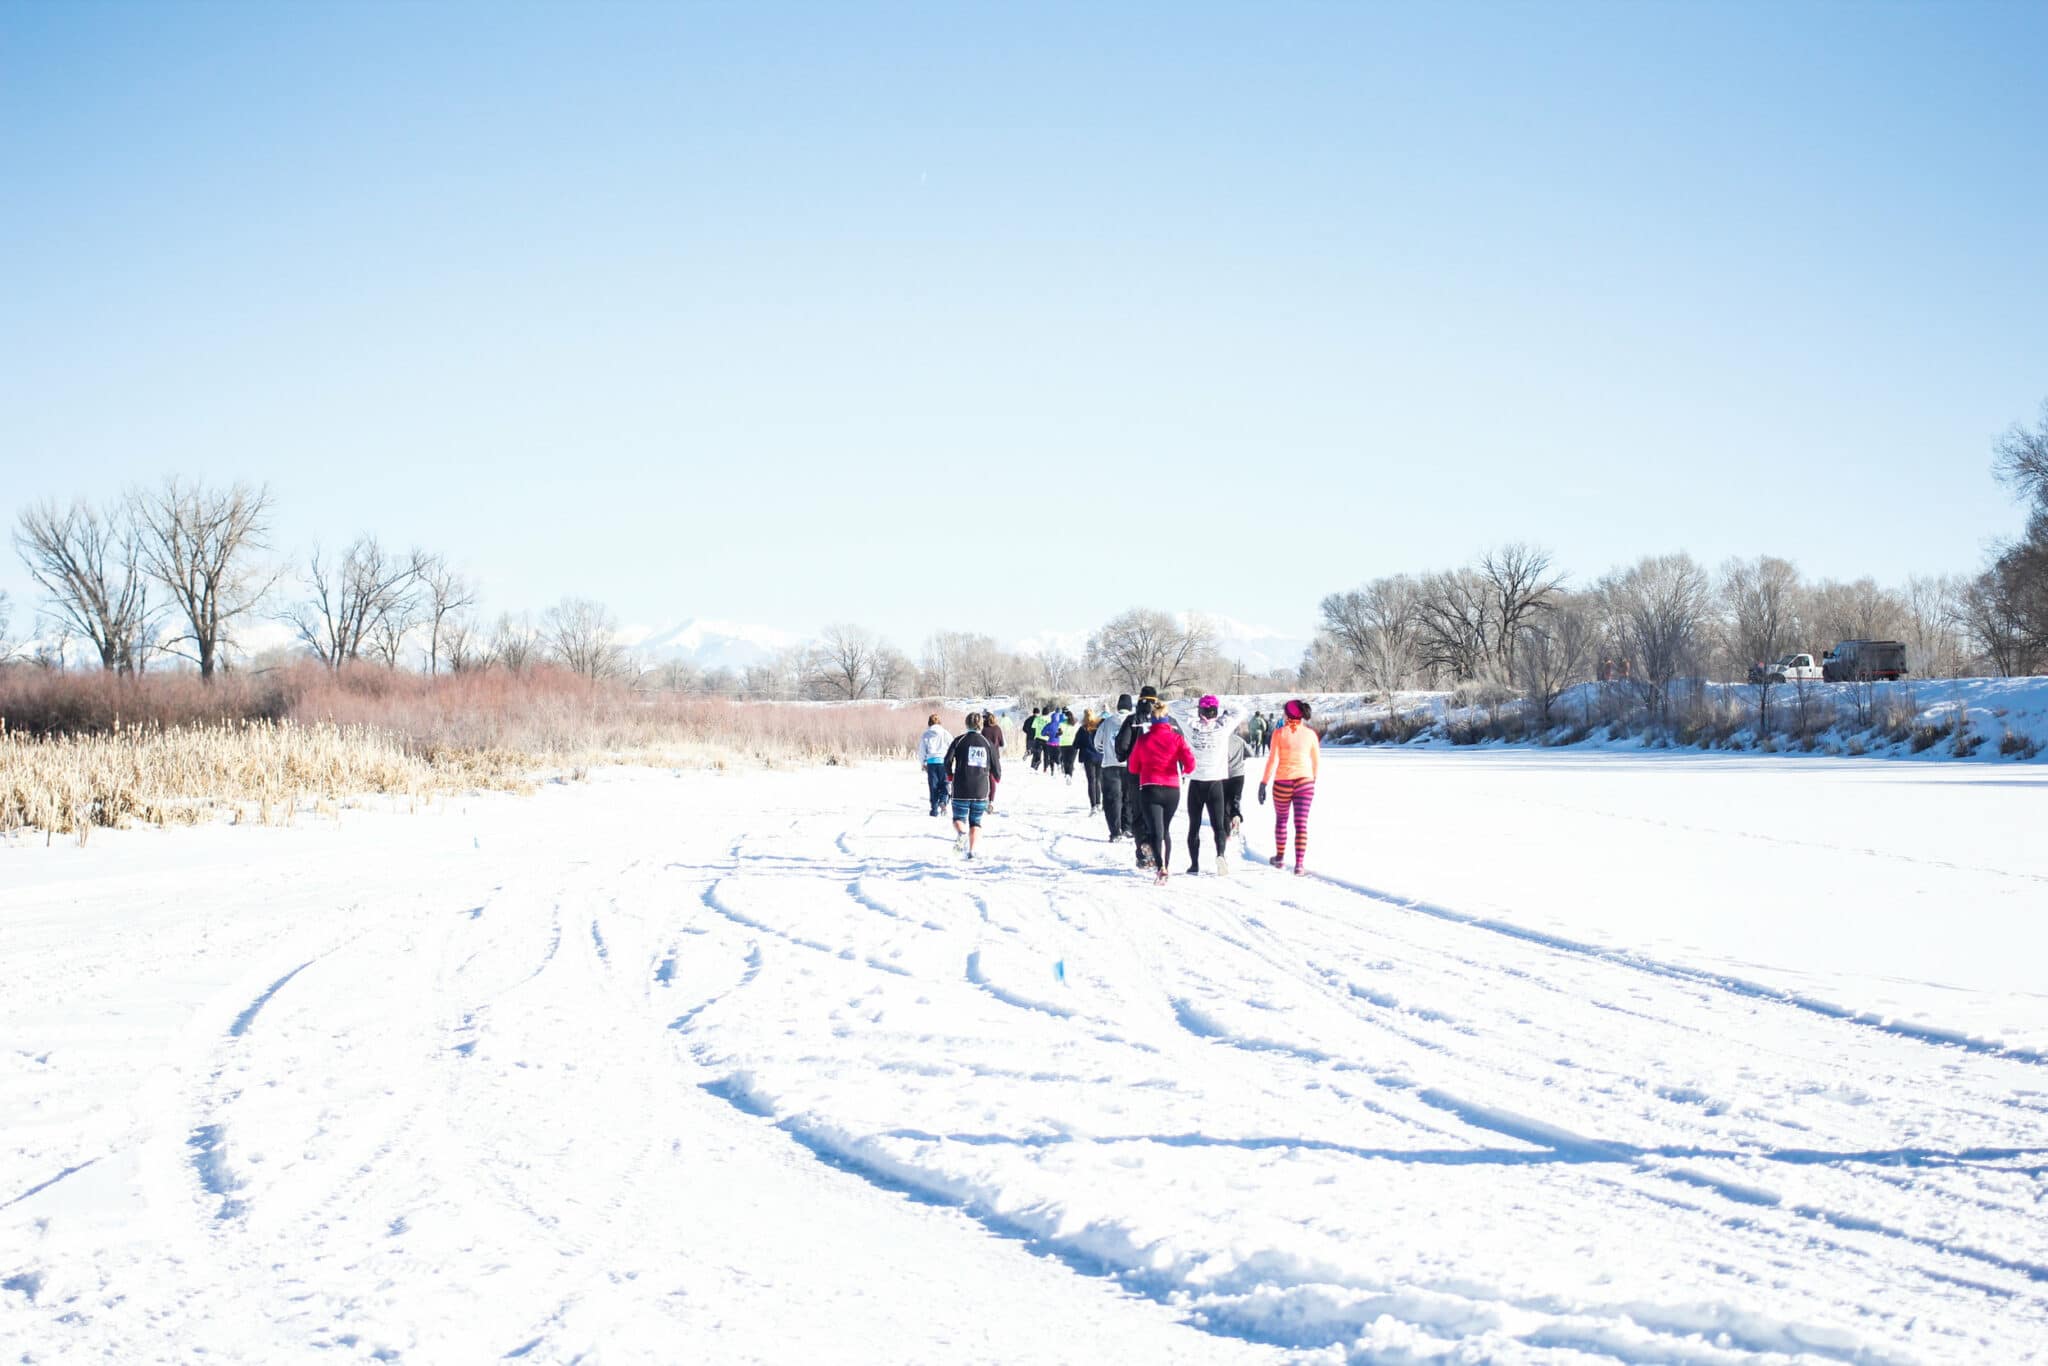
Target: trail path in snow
751,1068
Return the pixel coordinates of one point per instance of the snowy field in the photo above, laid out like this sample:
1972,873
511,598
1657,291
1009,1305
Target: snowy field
1571,1058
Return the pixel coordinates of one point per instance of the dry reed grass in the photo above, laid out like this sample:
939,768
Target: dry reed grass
78,751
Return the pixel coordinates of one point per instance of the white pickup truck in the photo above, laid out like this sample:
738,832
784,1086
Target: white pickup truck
1800,668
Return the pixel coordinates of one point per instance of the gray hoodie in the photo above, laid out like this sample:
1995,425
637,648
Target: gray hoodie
1105,737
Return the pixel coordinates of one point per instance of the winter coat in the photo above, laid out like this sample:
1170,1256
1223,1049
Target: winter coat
1297,752
1160,756
1239,750
932,746
970,764
1210,740
1050,733
1106,738
1088,743
992,732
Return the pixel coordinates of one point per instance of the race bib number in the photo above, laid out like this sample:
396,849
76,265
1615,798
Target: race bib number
977,758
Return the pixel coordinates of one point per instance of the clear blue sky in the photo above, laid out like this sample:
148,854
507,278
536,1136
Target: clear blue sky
801,314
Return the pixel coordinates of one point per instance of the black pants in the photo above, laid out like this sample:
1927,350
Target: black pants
1204,795
1113,801
1094,772
1158,803
1037,751
1134,813
1233,795
1067,753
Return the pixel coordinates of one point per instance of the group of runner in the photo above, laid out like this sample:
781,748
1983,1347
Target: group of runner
1134,759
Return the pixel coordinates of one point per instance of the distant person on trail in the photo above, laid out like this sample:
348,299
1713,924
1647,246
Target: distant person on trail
1091,757
992,731
1070,732
1262,726
973,766
1158,757
932,747
1049,737
1033,745
1291,769
1148,714
1114,808
1209,732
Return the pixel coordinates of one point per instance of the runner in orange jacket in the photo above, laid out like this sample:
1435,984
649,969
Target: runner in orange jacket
1292,764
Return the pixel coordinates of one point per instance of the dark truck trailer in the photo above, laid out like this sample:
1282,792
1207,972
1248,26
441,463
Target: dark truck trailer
1860,661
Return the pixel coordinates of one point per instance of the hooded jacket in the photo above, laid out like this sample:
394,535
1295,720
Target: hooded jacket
1106,738
1160,756
933,744
970,763
1054,723
1210,740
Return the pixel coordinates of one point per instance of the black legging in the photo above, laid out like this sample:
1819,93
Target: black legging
1158,802
1233,793
1094,781
1209,796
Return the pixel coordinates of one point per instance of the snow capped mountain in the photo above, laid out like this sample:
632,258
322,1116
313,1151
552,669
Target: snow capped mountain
708,644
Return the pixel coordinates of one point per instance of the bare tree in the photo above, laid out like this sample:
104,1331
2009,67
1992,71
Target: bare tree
844,663
1759,603
1454,623
1057,669
583,636
941,663
2022,460
365,600
388,637
1520,583
1326,665
1376,628
462,643
985,669
445,594
1659,609
895,675
7,646
1556,653
88,565
1853,611
516,644
1934,617
1143,646
199,543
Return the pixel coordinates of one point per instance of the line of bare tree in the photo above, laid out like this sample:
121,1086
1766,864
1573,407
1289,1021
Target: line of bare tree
1512,622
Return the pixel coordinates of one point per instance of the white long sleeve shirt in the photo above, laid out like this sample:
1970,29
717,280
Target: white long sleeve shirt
1210,740
933,746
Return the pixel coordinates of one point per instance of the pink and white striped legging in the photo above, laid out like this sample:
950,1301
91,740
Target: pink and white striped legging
1300,794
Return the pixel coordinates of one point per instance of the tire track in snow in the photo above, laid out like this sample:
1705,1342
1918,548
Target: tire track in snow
1934,1035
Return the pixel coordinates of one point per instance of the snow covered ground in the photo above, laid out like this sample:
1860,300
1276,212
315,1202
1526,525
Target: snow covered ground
1590,1057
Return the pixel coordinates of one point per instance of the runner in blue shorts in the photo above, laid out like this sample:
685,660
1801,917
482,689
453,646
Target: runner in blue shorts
973,767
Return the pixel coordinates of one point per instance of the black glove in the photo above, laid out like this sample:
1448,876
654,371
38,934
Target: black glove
1262,794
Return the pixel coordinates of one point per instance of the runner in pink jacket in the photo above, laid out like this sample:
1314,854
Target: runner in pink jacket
1158,759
